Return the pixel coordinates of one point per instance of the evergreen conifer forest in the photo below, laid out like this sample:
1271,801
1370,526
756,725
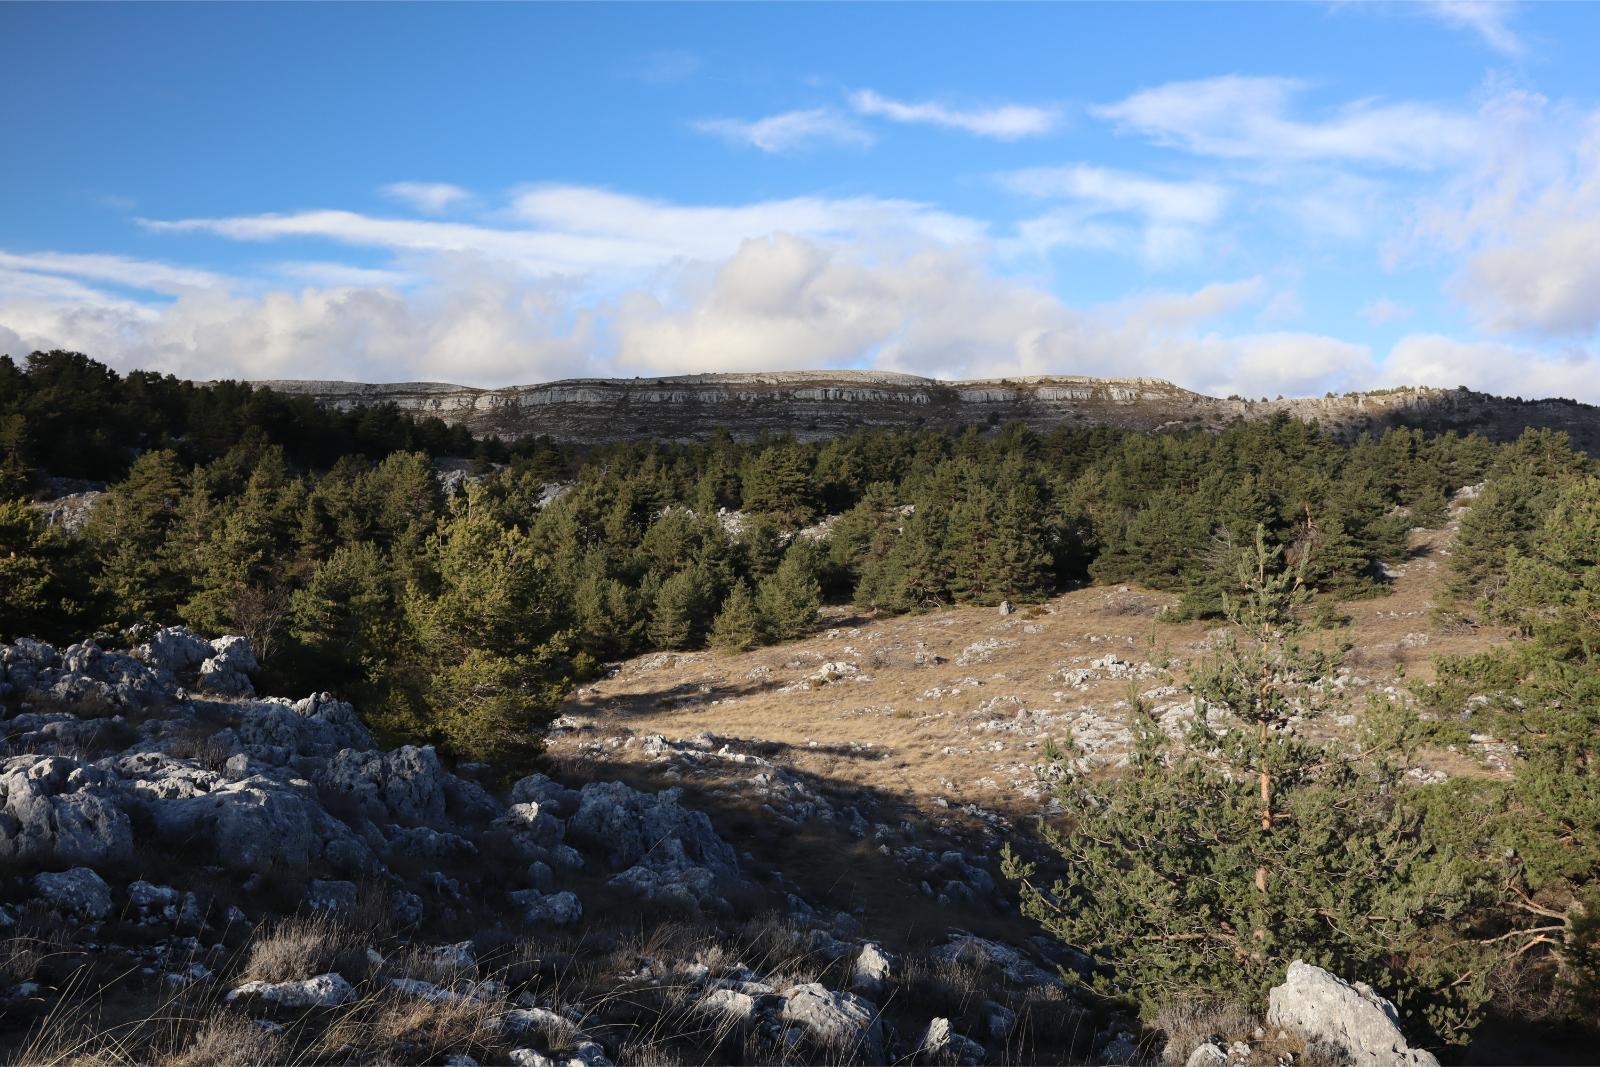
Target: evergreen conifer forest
456,592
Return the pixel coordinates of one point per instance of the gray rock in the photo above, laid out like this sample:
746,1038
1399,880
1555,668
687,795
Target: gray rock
149,903
261,823
844,1024
78,894
727,1006
968,948
1207,1054
942,1043
227,671
872,969
323,991
176,649
1352,1018
55,811
404,786
331,896
1120,1048
586,1054
558,909
552,1027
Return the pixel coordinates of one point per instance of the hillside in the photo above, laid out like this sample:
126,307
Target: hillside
815,405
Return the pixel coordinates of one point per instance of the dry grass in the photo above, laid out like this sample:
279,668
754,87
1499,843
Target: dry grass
1184,1025
40,937
231,1040
922,717
306,945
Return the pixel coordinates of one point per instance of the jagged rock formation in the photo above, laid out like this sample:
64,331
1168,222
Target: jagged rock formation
822,404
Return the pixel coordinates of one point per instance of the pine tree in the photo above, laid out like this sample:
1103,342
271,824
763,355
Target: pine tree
348,626
16,473
29,552
487,641
737,627
778,482
1214,860
139,577
1543,693
789,598
677,617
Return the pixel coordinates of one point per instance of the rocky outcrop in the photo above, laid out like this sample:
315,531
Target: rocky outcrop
255,787
1349,1021
817,405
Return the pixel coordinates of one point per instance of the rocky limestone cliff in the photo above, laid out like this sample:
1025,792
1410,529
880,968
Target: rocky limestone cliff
821,404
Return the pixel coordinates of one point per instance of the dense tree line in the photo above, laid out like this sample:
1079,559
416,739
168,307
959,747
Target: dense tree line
326,538
459,617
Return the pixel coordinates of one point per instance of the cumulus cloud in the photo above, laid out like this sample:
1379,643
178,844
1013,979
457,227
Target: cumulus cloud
433,198
1008,122
569,281
1237,117
1493,367
791,131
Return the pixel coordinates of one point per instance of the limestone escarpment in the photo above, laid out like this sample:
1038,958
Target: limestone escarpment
821,404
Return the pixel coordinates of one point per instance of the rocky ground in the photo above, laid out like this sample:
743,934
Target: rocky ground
782,856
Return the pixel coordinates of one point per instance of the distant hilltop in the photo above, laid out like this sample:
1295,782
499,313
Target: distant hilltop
821,404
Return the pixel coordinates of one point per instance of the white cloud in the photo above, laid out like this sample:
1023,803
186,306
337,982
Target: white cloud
433,198
1489,19
1116,190
1526,219
1167,217
580,230
142,274
1493,367
792,131
1239,117
471,325
341,275
1008,122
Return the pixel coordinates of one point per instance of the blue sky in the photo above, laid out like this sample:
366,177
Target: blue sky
1248,198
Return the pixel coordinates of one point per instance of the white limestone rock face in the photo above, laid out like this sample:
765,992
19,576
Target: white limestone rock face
1349,1017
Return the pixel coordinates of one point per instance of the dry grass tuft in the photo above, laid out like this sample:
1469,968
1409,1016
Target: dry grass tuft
1188,1023
303,946
230,1040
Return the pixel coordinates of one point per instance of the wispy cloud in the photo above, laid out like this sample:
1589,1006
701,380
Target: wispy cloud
1489,19
582,230
1239,117
1162,222
791,131
143,274
1008,122
433,198
1106,189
